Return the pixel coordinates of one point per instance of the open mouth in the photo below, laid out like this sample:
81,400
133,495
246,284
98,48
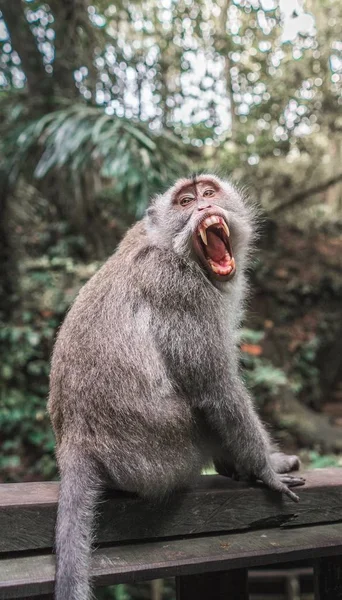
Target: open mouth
212,244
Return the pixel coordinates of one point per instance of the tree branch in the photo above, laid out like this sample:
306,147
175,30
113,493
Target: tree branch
300,196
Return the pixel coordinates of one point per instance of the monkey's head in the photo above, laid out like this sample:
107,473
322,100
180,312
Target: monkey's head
203,219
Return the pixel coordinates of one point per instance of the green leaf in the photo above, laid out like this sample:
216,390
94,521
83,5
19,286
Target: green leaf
141,137
251,336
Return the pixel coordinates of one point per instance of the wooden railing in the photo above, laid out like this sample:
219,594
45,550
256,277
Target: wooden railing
207,537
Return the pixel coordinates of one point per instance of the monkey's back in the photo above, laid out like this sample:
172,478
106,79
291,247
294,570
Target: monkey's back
109,386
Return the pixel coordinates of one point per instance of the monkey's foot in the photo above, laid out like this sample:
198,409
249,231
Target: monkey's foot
284,463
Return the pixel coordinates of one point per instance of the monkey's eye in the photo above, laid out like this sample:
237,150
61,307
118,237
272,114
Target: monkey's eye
208,193
185,200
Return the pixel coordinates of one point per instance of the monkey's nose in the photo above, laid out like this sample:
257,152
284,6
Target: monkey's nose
204,206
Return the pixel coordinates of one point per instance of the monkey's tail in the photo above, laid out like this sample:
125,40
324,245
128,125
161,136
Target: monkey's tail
79,490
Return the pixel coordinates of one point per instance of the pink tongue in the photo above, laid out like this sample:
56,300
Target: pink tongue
216,249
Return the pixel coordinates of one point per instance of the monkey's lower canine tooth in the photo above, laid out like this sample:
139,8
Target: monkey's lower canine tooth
203,235
232,263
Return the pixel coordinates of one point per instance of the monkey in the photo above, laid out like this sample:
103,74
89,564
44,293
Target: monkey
145,388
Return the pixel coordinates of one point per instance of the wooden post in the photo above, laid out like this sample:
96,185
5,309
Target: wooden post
220,585
328,578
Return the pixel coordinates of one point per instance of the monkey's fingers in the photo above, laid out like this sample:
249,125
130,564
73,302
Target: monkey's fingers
292,481
290,494
279,483
281,487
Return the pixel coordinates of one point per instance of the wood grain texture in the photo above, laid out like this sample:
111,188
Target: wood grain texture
217,585
34,574
328,578
38,597
215,504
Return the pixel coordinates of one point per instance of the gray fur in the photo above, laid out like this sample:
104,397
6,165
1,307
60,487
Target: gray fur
145,388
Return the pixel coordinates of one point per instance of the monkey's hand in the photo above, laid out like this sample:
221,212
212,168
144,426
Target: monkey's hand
280,483
275,481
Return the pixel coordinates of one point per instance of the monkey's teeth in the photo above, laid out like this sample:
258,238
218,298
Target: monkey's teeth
220,270
215,220
210,221
203,235
232,263
225,227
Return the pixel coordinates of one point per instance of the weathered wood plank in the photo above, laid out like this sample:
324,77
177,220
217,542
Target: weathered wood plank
328,578
28,510
38,597
175,557
217,585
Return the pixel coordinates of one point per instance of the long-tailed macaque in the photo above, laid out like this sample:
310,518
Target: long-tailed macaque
145,384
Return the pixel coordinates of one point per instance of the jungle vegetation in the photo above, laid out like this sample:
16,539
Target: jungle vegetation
102,104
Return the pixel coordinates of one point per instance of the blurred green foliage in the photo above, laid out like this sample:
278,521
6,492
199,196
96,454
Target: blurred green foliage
76,138
317,461
260,374
162,589
307,373
102,110
27,440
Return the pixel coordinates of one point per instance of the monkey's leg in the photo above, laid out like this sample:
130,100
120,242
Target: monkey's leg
152,473
284,463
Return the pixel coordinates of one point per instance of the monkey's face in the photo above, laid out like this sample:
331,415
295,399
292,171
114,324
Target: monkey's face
203,219
201,203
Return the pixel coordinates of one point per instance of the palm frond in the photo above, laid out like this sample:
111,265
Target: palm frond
79,138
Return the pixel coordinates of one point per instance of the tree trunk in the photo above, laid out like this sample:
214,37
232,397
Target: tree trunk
223,20
39,82
8,265
309,428
74,45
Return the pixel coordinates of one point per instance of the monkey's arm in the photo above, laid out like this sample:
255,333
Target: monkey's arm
203,368
245,439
